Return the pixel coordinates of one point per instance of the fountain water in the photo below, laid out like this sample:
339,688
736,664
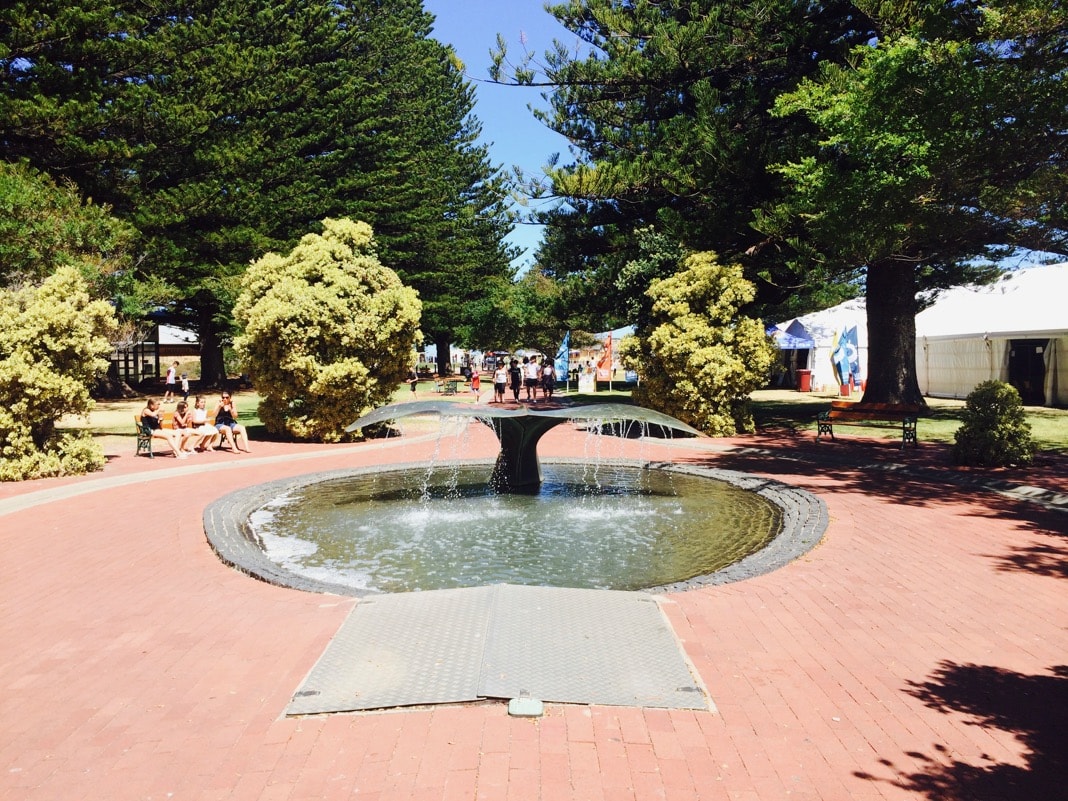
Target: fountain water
518,430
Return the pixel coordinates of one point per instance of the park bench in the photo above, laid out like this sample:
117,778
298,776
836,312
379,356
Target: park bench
450,387
144,438
891,415
144,433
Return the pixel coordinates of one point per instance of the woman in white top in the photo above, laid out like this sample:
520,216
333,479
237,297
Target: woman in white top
207,432
500,382
533,378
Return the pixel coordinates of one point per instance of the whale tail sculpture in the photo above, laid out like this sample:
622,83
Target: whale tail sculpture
518,430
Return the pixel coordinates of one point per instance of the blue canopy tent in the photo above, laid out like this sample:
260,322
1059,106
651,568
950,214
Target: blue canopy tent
785,340
791,342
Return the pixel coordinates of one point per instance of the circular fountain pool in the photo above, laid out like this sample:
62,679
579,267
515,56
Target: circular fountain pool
621,525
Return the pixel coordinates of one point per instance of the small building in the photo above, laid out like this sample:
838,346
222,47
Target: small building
146,360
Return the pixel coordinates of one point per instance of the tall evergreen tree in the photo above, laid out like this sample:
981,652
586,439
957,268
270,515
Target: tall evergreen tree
930,130
671,114
226,129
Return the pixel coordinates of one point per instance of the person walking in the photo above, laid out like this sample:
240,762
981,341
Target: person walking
515,376
476,384
500,382
170,382
532,378
548,378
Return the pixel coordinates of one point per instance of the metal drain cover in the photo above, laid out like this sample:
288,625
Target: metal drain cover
504,641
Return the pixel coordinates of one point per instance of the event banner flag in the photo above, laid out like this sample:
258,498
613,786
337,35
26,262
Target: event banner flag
604,364
853,351
562,362
845,356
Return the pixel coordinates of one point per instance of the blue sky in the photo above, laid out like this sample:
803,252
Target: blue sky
508,126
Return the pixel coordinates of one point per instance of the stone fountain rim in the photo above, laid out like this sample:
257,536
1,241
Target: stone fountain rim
228,533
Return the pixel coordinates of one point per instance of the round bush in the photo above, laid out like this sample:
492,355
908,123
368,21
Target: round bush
994,431
328,332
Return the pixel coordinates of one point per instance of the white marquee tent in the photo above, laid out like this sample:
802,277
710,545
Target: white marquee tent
822,327
1014,330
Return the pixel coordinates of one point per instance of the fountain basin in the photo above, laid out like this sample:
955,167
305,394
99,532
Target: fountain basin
801,520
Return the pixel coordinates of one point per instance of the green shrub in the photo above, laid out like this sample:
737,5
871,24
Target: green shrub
71,453
994,431
702,358
53,347
328,332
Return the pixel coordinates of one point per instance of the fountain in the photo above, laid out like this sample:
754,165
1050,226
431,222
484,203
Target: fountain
518,430
595,523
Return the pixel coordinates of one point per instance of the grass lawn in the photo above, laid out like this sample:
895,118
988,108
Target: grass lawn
784,408
112,421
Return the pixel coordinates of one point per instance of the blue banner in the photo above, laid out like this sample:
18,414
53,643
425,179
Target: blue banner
846,356
562,362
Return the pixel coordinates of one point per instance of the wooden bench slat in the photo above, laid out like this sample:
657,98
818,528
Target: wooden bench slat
848,414
877,415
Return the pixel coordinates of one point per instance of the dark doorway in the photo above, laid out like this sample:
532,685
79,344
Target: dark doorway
1027,369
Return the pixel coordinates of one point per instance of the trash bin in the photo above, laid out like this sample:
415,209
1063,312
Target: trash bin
804,380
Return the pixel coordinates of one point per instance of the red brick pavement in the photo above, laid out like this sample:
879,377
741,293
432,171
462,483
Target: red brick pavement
918,652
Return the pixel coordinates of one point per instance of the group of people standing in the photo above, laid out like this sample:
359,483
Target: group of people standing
193,431
530,375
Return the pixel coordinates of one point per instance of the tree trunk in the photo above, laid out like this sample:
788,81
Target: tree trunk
444,348
891,303
109,386
212,368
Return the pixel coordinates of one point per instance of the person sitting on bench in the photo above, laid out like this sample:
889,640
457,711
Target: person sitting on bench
150,418
202,426
226,424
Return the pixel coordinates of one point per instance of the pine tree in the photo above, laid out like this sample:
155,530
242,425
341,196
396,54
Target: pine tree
223,130
671,114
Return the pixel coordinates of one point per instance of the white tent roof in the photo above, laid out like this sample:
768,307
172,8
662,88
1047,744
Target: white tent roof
1025,303
822,325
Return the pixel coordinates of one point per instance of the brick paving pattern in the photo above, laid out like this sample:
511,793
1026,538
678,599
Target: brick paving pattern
919,652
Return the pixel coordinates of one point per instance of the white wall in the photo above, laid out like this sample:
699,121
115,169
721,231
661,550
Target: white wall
951,368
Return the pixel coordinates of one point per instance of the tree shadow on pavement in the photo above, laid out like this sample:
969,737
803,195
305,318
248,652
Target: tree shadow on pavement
1031,708
1040,559
922,478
